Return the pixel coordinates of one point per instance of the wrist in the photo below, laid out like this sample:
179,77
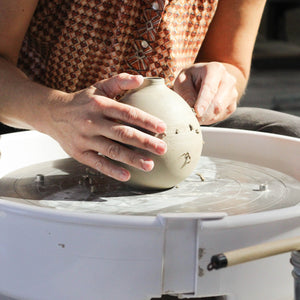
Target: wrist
49,103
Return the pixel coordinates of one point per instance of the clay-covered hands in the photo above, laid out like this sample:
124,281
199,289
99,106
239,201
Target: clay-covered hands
210,89
90,122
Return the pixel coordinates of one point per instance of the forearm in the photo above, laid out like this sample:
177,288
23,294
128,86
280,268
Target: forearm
239,74
24,103
231,38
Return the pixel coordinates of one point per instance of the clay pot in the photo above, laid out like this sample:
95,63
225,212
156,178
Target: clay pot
183,135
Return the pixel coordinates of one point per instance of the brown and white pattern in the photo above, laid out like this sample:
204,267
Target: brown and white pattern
71,44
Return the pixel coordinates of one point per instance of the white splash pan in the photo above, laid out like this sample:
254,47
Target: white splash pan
51,254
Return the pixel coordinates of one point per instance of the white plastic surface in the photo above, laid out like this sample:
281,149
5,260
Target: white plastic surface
48,254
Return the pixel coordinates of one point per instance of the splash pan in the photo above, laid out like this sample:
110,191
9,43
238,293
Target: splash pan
68,232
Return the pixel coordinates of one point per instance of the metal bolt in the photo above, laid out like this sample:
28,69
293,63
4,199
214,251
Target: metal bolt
40,179
93,189
262,187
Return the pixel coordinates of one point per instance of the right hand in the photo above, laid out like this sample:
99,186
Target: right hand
90,122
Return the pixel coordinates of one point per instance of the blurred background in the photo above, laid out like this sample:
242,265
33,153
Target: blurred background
275,77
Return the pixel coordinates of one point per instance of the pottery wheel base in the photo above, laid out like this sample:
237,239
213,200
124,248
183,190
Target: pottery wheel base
216,185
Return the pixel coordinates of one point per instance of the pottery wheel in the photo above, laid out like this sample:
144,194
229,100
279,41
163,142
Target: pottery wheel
216,185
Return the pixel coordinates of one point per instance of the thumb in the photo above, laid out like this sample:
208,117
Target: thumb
185,88
119,83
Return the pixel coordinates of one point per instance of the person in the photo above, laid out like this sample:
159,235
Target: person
63,64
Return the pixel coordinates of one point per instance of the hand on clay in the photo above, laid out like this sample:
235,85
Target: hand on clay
209,89
90,122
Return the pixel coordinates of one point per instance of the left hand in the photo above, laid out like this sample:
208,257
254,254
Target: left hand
210,89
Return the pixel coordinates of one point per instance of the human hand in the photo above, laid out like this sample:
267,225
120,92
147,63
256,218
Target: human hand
210,89
90,122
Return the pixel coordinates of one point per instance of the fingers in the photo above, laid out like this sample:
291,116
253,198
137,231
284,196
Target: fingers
125,134
110,138
223,104
117,84
125,113
133,137
107,143
114,151
130,115
101,164
227,96
121,123
183,86
99,124
218,95
211,79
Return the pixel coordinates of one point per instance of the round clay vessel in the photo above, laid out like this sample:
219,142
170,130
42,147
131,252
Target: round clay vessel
183,135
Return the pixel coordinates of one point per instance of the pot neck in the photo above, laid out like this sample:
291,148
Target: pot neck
153,81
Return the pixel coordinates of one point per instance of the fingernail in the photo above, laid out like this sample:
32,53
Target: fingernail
140,78
123,175
161,148
147,164
161,127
